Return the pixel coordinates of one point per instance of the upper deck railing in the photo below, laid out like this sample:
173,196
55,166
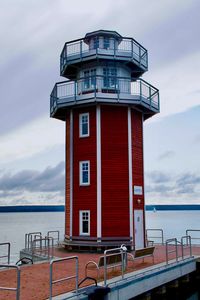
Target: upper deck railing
126,49
104,89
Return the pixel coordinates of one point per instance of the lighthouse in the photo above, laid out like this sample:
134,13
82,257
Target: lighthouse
104,103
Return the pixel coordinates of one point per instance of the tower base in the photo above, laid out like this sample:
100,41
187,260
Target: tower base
94,245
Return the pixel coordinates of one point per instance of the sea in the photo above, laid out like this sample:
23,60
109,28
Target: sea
14,226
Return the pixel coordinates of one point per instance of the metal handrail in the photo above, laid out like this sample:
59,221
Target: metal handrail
187,245
65,278
190,231
123,251
128,47
99,85
8,251
158,230
14,289
29,238
171,242
42,249
49,233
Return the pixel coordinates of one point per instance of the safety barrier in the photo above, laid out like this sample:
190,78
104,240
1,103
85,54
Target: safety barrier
8,252
169,244
29,237
190,232
42,247
158,238
108,253
55,234
65,278
14,289
172,247
187,245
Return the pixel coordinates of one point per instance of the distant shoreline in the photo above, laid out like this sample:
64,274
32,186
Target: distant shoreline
61,208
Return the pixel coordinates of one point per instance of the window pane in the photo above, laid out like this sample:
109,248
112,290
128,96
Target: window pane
84,128
84,125
96,43
85,176
106,43
85,227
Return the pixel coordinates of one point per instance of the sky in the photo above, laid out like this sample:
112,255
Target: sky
32,35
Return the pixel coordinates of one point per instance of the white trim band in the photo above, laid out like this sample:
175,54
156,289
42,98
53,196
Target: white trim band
71,172
98,137
130,173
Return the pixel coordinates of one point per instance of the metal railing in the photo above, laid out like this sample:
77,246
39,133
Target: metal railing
29,237
157,237
42,247
110,252
186,246
127,48
55,235
190,232
14,289
171,247
65,278
7,245
111,88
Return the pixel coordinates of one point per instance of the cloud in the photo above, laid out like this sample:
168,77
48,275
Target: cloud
166,155
158,176
51,181
174,188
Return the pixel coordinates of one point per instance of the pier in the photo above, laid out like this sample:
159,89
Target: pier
59,277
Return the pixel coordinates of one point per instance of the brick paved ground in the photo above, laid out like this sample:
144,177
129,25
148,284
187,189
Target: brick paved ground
35,278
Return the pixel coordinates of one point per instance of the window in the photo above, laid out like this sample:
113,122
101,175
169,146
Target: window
86,79
96,42
106,43
84,125
84,173
84,222
110,77
89,79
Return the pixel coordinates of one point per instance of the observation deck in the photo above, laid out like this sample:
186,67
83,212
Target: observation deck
101,89
103,45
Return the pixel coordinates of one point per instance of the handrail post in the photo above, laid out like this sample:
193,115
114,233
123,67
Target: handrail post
51,279
75,89
105,269
176,249
140,91
81,48
18,284
139,55
150,95
8,253
76,275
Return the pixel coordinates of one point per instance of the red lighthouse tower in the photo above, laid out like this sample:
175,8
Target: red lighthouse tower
104,103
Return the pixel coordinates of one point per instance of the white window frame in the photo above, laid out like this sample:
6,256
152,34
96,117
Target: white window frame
81,134
81,222
81,183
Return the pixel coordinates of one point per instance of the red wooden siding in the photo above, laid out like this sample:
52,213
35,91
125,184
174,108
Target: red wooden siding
137,156
84,197
115,176
67,189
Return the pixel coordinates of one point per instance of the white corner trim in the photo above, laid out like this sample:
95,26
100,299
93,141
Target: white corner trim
98,137
71,172
130,173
